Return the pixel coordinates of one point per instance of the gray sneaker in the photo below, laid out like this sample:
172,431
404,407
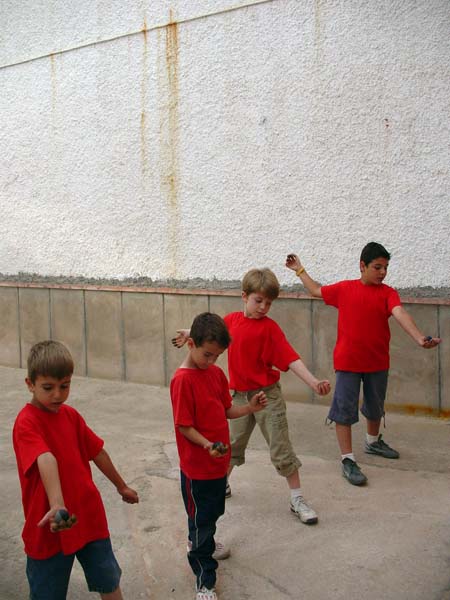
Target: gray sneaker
304,512
380,448
352,472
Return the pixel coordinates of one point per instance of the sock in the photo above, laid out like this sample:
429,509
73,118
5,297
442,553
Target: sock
371,439
296,493
349,455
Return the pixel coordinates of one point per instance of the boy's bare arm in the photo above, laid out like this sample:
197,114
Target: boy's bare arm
105,464
48,471
313,287
321,387
407,323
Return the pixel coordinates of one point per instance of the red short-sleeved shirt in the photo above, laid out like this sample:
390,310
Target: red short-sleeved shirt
200,398
363,335
66,435
257,345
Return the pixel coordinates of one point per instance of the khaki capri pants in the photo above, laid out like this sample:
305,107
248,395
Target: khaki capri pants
273,424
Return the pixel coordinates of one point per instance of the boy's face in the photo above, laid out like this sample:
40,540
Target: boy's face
374,272
205,355
256,305
49,393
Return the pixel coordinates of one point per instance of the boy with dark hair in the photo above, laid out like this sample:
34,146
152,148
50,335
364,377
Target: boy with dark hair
258,345
361,354
54,447
201,406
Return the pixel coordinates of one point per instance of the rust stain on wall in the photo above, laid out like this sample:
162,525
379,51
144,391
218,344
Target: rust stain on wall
143,122
169,134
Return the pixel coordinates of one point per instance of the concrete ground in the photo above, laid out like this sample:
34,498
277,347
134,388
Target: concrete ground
390,539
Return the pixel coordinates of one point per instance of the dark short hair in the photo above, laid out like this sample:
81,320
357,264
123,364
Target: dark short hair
373,250
51,359
209,327
261,281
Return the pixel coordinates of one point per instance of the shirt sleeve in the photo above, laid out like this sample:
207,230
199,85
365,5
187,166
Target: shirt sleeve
182,402
330,294
393,300
29,442
226,396
281,353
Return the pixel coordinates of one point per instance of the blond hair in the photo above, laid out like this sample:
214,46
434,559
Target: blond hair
50,359
263,281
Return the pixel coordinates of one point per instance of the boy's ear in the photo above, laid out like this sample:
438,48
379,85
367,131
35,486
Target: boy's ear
244,296
30,384
190,343
362,265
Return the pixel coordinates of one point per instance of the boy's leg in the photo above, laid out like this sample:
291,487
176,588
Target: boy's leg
274,426
204,501
344,438
101,569
49,578
240,431
344,412
116,595
374,387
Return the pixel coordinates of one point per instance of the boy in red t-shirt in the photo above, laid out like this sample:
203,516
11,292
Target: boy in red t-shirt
361,353
54,447
258,345
201,406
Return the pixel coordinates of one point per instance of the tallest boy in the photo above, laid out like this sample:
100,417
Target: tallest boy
361,353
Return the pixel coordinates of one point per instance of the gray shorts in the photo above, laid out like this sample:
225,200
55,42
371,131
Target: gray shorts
273,424
344,408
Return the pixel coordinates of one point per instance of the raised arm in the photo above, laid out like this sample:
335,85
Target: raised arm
407,323
105,464
293,263
181,338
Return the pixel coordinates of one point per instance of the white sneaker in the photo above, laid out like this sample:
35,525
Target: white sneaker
304,512
204,594
220,553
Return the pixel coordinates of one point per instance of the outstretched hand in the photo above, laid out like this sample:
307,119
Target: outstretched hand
293,262
430,342
180,339
322,387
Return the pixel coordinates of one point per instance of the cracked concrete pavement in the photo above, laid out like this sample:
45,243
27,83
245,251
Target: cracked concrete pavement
390,539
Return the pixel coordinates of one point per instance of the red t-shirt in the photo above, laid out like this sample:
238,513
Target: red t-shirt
363,334
66,435
257,345
200,398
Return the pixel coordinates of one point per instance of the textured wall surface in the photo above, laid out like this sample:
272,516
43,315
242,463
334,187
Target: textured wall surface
210,143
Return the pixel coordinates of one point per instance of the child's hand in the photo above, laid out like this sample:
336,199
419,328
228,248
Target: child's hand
322,387
258,401
429,342
129,495
181,338
216,449
59,519
293,262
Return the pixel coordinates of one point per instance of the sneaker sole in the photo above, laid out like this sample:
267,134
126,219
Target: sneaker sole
380,454
311,521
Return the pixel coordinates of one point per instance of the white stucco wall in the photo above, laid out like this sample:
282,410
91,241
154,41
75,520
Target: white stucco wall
204,148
